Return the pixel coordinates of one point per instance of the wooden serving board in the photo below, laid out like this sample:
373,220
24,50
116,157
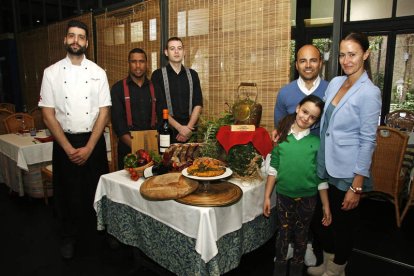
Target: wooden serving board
221,193
167,186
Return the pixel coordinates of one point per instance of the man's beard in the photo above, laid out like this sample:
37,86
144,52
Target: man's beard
78,52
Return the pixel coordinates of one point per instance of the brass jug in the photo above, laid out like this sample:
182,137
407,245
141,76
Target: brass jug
245,110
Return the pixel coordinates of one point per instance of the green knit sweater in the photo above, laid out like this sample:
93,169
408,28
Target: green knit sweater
295,163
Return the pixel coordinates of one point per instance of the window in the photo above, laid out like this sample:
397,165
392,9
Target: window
402,96
324,46
137,31
377,59
405,7
115,35
370,9
153,29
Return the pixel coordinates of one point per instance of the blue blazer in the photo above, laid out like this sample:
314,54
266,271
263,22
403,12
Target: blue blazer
350,137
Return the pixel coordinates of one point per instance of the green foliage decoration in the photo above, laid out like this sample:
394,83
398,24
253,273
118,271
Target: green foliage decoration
244,160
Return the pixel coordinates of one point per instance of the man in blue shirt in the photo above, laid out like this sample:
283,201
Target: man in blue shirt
308,63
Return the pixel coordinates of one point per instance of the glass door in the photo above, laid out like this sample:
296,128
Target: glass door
377,59
402,93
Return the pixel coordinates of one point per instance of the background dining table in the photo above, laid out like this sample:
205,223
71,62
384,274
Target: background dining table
21,158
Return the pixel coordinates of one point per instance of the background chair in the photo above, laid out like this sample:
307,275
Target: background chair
400,119
4,113
113,147
386,173
410,199
36,113
14,122
47,177
9,106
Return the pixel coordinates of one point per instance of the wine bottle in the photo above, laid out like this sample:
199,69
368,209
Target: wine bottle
165,132
157,169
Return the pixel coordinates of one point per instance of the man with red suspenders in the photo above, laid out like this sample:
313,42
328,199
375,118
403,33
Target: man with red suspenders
136,103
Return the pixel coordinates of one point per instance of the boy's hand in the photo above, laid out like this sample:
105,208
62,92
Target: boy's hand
327,216
266,207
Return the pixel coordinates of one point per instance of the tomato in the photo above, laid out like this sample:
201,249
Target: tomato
140,152
174,166
146,156
135,178
141,162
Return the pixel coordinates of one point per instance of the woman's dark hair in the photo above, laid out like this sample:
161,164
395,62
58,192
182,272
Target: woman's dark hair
363,41
286,123
359,38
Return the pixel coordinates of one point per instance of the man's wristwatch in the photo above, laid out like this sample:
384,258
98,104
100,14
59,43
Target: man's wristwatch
357,190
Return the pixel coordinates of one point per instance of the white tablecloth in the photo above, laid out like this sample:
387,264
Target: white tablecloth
25,150
22,153
205,224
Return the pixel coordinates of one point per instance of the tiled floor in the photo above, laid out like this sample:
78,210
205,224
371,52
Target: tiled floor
29,246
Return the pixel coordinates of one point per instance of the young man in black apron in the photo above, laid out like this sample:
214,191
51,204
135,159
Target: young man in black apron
182,90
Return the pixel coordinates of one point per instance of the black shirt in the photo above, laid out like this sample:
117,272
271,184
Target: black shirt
180,91
141,106
141,110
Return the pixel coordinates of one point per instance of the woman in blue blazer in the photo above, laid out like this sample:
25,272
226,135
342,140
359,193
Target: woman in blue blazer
348,132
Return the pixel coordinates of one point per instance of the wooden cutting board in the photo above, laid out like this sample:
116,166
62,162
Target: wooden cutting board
167,186
144,139
221,193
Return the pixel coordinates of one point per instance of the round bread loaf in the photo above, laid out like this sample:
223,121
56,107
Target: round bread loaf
167,186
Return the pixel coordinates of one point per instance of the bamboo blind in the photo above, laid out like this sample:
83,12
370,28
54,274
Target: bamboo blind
33,51
121,30
229,42
40,48
226,42
57,33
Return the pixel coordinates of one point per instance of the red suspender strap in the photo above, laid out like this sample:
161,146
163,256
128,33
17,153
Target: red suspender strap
153,100
127,104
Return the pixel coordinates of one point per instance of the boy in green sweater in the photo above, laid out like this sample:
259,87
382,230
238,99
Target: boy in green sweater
293,165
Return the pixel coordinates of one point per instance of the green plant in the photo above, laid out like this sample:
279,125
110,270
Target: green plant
244,160
206,133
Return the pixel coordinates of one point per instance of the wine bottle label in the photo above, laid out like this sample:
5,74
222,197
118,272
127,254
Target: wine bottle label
164,142
148,172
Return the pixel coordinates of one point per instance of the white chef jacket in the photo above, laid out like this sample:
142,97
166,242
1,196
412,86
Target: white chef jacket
76,93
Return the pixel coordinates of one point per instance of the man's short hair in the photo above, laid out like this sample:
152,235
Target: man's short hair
137,51
78,24
174,38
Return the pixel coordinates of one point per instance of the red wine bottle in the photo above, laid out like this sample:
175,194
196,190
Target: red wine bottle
165,132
